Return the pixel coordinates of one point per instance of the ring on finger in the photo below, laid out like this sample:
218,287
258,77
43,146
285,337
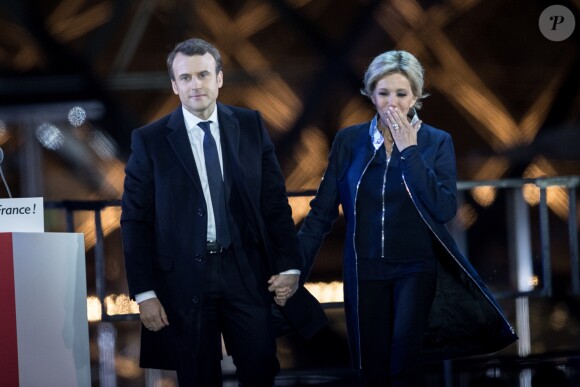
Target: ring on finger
396,126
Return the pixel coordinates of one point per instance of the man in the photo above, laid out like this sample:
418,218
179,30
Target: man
208,232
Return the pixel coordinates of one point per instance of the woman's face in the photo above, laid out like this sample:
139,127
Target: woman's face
393,90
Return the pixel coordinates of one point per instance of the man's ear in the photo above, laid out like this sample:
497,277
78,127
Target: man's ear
220,79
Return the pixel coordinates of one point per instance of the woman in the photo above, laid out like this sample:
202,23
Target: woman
407,287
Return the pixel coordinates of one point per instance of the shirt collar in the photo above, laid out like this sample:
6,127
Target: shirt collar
376,136
192,120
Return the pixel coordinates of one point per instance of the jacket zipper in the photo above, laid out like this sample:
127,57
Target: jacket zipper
355,253
383,214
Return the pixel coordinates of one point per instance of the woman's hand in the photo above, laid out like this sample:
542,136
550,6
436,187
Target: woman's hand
404,134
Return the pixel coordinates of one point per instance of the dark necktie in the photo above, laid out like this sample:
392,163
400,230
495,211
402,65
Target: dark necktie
216,184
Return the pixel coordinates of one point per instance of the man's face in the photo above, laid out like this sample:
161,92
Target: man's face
196,83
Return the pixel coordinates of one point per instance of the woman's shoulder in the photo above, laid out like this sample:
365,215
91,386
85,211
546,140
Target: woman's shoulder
433,132
433,129
354,136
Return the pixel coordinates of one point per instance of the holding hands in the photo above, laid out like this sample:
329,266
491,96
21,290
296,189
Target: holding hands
284,286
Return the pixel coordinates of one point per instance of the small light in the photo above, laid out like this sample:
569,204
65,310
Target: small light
326,292
49,136
120,304
93,309
77,116
484,195
3,128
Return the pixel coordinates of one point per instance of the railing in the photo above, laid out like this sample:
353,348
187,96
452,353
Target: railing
520,219
519,253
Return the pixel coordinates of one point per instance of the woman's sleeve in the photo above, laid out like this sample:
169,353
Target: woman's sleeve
435,186
323,210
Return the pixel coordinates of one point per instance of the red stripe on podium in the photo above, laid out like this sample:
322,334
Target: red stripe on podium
8,339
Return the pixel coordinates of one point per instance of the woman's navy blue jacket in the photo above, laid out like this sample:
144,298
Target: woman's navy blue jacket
465,319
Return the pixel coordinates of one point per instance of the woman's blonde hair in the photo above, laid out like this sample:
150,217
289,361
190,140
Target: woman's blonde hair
391,62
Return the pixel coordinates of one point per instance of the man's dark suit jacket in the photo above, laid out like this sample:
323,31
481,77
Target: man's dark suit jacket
164,221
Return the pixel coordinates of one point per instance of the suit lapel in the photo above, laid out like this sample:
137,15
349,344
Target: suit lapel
230,137
179,141
234,171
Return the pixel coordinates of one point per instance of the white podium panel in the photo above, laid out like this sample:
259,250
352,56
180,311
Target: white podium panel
43,294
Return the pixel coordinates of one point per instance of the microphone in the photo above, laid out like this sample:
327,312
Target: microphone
2,173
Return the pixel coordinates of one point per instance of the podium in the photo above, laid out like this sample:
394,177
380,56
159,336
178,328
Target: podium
44,333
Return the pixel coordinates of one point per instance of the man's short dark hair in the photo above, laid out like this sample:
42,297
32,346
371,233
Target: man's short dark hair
192,47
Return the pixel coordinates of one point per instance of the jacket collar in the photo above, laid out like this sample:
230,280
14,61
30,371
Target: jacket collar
179,141
229,137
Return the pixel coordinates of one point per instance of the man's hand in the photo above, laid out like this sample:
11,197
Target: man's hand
284,286
153,315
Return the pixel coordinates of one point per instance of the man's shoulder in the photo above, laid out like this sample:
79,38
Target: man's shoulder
159,125
235,110
244,117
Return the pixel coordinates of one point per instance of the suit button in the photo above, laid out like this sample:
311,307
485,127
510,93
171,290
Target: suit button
195,300
200,211
199,258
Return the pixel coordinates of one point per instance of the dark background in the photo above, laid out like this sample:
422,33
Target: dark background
509,97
